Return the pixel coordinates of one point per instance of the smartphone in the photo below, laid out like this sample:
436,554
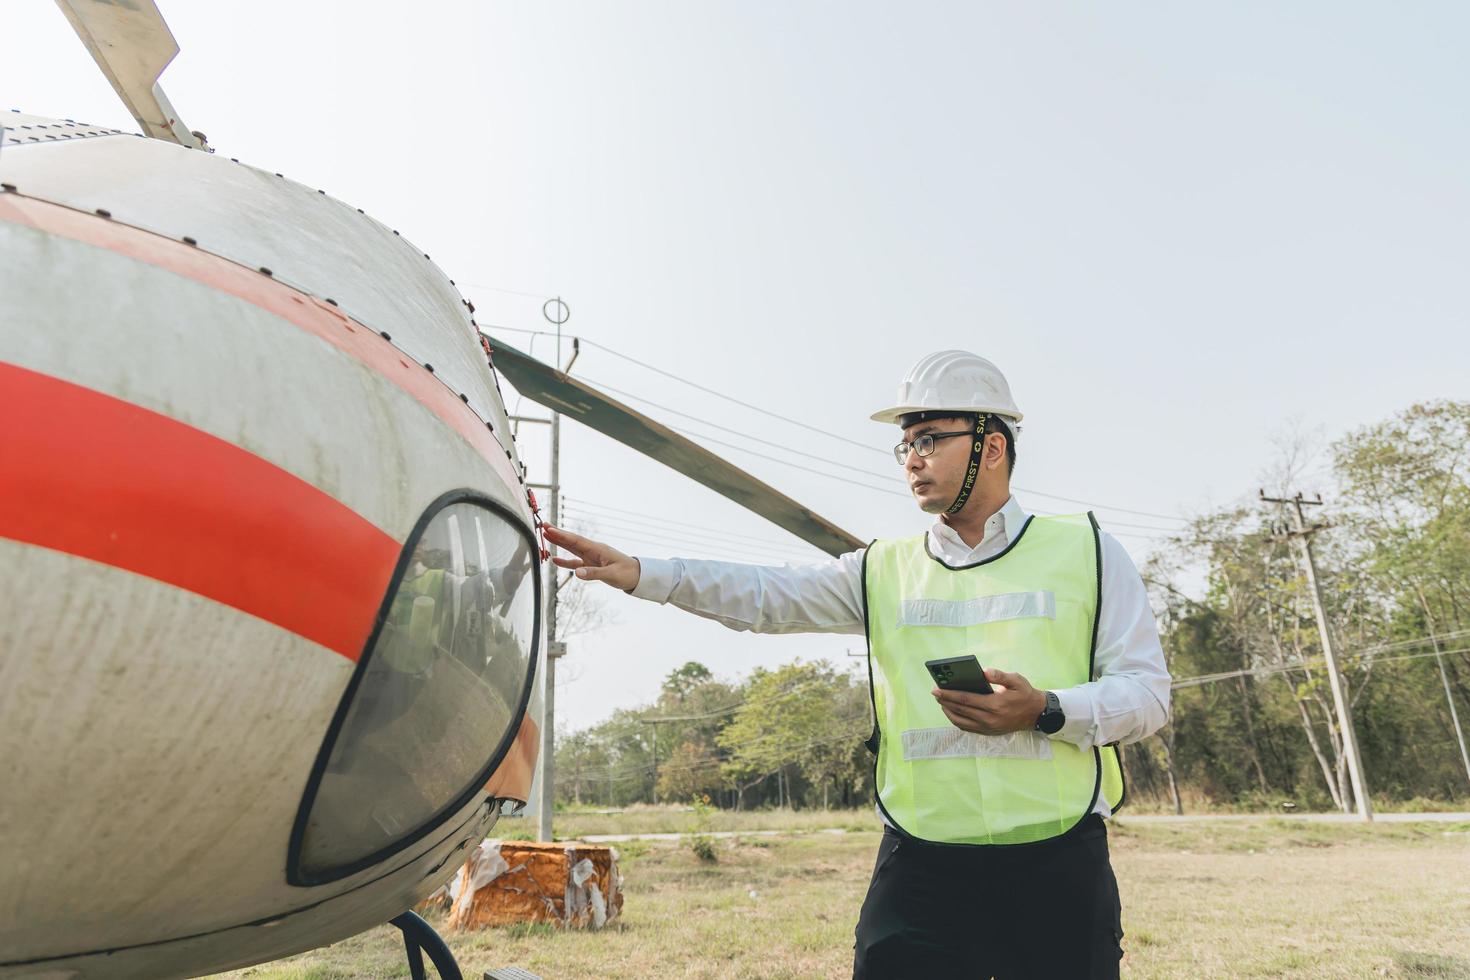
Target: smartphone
959,674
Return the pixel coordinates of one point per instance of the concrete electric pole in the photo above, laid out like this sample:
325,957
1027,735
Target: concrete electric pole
1302,536
558,313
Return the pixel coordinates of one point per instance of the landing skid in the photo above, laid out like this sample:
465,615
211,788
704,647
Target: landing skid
419,938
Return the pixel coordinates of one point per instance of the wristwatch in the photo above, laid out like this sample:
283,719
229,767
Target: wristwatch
1049,722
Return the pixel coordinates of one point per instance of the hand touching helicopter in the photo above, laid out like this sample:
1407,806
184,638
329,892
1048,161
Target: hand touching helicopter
594,561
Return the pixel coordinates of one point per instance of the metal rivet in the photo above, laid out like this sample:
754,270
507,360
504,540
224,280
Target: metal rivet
103,212
266,271
331,300
385,336
190,241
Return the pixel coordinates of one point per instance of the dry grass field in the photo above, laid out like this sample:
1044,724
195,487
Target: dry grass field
1258,898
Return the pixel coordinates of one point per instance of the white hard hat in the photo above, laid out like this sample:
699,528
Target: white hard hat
953,380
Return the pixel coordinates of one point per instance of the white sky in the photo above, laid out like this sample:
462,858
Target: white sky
1177,228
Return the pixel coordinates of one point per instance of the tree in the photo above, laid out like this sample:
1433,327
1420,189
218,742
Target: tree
683,680
691,770
794,717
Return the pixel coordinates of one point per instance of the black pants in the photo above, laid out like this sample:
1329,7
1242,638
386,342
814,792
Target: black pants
1044,911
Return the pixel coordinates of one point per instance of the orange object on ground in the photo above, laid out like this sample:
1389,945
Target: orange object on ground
567,883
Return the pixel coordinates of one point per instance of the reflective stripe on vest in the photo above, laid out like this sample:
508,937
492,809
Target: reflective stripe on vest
1032,610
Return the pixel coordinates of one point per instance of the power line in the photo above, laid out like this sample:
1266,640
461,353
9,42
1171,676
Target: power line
730,398
764,442
1417,641
622,772
806,469
596,506
637,523
513,292
487,327
734,706
1092,503
654,526
1136,534
632,539
1271,669
595,524
724,428
635,539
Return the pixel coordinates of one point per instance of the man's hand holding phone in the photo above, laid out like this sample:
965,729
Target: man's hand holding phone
1013,706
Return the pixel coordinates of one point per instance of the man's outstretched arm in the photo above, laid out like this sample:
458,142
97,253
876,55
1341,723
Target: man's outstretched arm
821,598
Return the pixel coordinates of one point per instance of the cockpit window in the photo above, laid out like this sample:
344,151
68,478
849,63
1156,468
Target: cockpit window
436,697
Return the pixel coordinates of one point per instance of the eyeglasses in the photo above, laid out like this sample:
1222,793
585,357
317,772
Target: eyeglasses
924,444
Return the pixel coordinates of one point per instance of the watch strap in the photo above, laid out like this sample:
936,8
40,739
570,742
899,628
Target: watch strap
1051,719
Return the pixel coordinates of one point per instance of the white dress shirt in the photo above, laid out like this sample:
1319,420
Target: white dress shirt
1127,701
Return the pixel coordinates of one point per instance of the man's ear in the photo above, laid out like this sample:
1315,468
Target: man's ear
995,450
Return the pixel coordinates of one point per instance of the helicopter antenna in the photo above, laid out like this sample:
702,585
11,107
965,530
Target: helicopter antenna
132,45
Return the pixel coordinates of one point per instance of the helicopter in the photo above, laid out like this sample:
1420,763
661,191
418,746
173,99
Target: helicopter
270,650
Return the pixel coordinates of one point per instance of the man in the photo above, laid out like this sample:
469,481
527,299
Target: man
994,860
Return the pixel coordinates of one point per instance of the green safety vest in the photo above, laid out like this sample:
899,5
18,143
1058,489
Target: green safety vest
1032,609
411,648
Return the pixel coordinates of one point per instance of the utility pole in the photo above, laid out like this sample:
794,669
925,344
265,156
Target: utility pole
1444,678
655,722
556,312
1302,535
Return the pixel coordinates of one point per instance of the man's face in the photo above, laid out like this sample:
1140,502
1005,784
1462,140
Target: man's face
935,479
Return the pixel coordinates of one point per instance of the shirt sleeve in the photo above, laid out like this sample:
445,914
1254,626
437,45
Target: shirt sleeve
1129,699
820,598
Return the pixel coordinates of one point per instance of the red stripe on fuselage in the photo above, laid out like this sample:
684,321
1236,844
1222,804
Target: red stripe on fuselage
104,479
310,314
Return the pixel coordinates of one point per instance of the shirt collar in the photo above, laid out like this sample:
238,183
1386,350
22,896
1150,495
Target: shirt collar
1002,526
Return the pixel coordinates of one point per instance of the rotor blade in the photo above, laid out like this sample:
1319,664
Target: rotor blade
132,45
560,392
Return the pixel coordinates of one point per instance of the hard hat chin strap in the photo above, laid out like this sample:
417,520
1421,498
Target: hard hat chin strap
972,472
